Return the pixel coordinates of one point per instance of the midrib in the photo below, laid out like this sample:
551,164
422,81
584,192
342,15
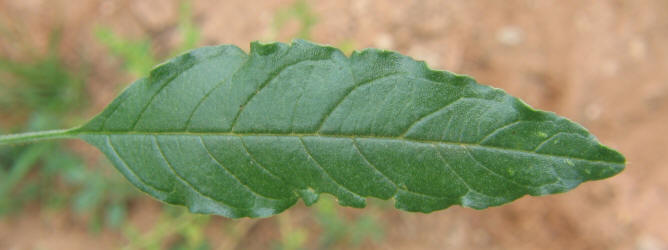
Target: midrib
337,136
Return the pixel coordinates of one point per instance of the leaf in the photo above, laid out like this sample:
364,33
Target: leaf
227,133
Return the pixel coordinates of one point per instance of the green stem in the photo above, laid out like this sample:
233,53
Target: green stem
36,136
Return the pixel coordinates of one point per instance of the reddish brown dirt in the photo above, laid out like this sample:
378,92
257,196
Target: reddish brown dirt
600,63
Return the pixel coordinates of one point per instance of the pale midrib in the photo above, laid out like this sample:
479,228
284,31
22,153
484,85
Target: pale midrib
353,137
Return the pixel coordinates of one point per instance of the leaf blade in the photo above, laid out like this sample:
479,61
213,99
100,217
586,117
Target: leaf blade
247,135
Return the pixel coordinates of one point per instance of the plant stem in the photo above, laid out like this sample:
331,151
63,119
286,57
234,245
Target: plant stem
36,136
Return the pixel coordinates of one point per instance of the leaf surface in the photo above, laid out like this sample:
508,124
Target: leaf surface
235,134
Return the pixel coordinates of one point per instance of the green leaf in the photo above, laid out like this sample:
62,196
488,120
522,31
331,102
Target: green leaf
235,134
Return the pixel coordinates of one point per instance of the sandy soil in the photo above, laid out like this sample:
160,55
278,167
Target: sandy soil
600,63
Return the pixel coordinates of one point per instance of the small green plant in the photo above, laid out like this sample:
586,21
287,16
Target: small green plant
175,228
52,93
138,55
43,86
299,11
338,229
247,135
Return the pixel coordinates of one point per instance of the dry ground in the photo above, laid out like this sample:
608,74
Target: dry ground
600,63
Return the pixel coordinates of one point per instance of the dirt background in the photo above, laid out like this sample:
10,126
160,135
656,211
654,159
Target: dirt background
601,63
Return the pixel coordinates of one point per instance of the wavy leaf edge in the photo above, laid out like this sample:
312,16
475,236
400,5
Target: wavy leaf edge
183,62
